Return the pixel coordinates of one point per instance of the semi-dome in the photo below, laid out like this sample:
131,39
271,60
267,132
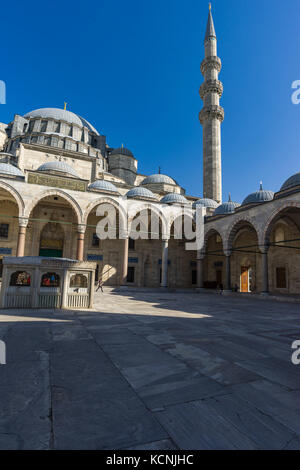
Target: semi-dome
227,207
102,185
205,202
11,170
139,192
291,182
174,198
62,167
259,196
122,151
159,178
60,115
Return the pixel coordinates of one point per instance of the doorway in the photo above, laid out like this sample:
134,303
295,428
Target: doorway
244,279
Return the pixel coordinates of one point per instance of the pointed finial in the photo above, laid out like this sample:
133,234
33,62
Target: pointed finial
261,186
210,28
65,105
229,197
209,6
159,169
122,146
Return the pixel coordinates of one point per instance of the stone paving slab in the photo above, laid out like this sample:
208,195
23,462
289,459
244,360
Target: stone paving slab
152,370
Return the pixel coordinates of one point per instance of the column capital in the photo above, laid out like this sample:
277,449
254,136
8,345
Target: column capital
227,253
264,249
81,228
23,221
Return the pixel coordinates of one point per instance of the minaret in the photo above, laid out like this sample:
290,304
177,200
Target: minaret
211,115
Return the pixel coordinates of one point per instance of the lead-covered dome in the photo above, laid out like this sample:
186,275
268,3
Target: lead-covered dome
102,185
142,193
10,170
227,207
205,202
60,115
122,151
59,166
174,198
259,196
159,178
291,182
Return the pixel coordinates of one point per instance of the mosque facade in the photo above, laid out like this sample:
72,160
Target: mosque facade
56,169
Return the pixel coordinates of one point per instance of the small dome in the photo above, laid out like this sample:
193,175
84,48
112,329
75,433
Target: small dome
227,207
11,170
60,115
58,166
102,185
139,192
291,182
205,202
258,197
122,151
174,198
159,178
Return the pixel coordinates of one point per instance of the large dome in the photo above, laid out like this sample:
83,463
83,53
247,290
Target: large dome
60,115
291,182
258,197
159,178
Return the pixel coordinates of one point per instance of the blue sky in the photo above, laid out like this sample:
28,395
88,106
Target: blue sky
132,68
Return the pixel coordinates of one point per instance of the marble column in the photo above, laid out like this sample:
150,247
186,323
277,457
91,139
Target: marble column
228,272
265,271
124,261
164,263
80,241
21,236
200,273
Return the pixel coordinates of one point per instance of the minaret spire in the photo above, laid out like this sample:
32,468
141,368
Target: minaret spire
211,115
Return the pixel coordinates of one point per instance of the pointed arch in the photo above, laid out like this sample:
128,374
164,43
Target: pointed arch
55,192
16,195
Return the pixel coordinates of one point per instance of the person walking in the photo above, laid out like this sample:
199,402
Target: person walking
100,285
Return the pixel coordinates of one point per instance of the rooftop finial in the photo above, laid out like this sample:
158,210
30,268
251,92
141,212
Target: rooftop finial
229,197
210,29
159,170
261,186
65,105
209,6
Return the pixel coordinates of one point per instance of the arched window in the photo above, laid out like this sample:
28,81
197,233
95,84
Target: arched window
78,280
20,278
50,280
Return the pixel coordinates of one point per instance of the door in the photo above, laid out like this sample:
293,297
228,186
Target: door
244,279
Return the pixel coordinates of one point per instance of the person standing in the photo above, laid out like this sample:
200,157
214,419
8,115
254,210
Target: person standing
100,285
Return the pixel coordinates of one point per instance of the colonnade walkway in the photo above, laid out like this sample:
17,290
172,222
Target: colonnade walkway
152,370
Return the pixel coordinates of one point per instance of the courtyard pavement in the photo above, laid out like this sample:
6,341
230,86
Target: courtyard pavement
152,370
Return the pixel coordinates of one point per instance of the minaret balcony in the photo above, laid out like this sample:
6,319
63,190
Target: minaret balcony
211,112
212,62
211,86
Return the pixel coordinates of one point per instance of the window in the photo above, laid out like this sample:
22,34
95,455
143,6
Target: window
56,127
130,274
48,141
20,278
25,127
50,280
194,276
31,125
95,240
131,244
78,280
43,126
281,278
4,230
